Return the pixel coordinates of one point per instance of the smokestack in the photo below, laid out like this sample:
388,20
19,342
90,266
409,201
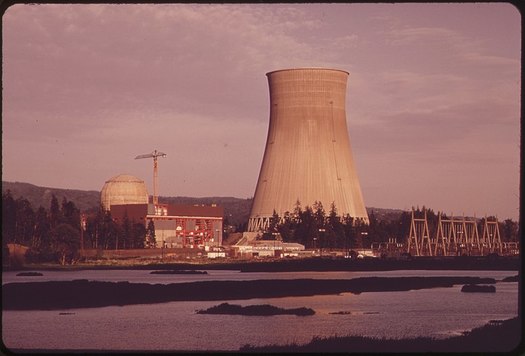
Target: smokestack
307,156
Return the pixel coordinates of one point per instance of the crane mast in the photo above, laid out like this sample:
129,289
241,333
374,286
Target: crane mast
155,155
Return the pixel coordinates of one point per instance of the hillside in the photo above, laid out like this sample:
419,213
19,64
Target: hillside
236,210
85,200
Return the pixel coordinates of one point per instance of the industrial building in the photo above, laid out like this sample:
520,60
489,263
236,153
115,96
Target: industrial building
308,157
177,226
246,248
184,226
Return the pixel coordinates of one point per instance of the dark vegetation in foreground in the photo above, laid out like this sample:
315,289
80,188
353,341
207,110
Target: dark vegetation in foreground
497,336
82,293
255,310
475,288
511,279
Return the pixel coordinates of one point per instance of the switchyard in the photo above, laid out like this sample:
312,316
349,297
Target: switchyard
457,237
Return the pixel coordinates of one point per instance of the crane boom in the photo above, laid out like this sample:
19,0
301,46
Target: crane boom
155,154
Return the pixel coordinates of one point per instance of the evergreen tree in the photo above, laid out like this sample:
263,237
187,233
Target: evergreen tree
350,231
25,221
509,230
8,218
139,235
274,221
69,214
336,234
54,212
41,236
65,242
150,234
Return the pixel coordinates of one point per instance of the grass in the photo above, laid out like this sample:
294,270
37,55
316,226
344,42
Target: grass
497,336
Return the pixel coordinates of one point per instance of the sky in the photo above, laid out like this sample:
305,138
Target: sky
433,96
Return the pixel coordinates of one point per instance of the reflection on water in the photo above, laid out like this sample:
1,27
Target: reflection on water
438,312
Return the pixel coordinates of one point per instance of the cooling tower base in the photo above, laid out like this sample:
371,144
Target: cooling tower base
259,224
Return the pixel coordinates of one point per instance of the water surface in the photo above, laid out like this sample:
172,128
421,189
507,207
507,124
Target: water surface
437,312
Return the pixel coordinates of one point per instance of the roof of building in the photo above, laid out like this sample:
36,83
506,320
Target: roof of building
140,211
195,210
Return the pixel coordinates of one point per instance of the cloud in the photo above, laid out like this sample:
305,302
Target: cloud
97,84
408,36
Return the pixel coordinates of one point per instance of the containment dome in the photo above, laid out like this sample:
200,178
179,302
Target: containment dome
123,189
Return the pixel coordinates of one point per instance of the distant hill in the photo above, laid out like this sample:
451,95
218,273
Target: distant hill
85,200
237,210
382,214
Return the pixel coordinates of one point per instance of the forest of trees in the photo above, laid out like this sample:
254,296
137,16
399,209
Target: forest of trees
314,228
56,234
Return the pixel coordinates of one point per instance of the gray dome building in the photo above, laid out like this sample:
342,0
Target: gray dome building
123,189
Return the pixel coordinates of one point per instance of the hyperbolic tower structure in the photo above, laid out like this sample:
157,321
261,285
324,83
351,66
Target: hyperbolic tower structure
307,156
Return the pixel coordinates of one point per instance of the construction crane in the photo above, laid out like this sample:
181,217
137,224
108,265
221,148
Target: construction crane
155,155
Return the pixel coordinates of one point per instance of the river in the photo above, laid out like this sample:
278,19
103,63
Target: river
436,312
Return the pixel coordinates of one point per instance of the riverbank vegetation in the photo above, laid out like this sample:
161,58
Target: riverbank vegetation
58,233
255,310
497,336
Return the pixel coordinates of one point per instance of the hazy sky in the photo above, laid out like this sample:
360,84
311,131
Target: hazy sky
433,99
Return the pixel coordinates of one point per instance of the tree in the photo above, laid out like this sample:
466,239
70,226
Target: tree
319,214
69,213
54,212
350,231
274,221
307,228
66,242
509,231
336,235
25,221
8,218
41,235
150,234
287,227
139,235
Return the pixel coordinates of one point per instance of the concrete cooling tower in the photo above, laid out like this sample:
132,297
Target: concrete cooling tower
307,156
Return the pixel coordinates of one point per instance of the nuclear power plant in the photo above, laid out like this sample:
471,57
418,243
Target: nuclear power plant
308,157
176,225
